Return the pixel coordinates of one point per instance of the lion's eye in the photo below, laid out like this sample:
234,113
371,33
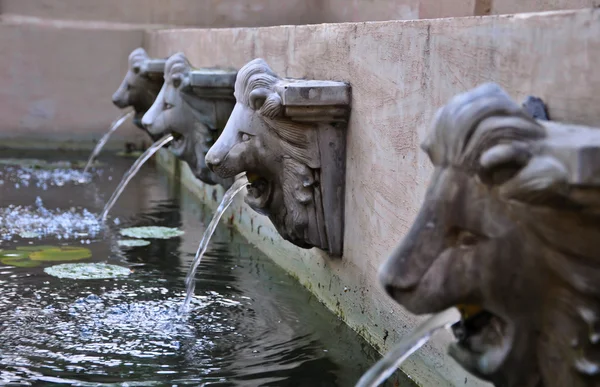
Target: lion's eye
167,106
245,137
466,238
128,87
461,237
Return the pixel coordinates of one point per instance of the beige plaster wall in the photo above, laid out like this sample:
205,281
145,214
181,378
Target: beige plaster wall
56,80
400,72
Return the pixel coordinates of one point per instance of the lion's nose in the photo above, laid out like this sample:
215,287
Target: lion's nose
118,102
146,122
212,161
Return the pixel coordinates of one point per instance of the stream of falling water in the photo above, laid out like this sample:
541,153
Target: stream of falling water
190,280
132,172
407,346
113,127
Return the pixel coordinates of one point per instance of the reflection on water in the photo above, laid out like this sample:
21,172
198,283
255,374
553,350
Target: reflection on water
249,324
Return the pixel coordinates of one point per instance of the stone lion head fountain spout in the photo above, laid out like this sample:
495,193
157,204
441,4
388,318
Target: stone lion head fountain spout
141,84
289,138
510,229
194,105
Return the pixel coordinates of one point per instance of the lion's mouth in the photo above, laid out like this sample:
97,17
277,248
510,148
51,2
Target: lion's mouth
177,146
484,340
137,120
259,191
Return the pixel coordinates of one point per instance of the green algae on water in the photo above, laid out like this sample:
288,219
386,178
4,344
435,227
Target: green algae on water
156,232
133,242
87,271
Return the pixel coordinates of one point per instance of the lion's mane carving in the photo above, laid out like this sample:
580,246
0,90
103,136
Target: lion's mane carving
139,88
280,157
501,228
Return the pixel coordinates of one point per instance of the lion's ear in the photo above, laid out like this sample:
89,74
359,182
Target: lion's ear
257,98
517,174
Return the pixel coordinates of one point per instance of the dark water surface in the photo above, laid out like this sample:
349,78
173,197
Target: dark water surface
250,323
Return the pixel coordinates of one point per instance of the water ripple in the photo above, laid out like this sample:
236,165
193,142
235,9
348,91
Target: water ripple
38,221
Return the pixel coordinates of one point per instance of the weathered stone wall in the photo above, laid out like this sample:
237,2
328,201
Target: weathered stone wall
400,72
255,13
200,13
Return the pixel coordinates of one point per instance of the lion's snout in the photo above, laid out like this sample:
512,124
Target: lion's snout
221,164
147,122
119,101
213,161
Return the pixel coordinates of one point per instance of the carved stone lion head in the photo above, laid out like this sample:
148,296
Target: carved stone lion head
280,157
139,88
504,230
190,119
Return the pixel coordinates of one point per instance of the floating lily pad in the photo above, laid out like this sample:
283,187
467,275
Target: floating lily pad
61,254
133,242
156,232
20,262
17,258
36,248
13,254
87,271
32,256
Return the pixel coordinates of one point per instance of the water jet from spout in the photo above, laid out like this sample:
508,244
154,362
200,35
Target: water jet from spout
190,280
407,346
133,171
113,127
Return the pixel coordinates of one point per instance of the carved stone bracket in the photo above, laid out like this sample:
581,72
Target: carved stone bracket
141,84
289,136
509,231
315,101
193,105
